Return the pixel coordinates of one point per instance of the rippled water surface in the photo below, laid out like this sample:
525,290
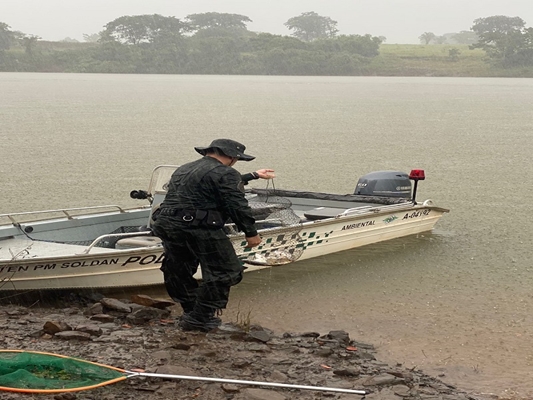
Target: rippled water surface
455,302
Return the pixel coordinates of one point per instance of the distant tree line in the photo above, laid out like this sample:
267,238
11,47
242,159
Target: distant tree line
463,37
208,43
506,40
220,43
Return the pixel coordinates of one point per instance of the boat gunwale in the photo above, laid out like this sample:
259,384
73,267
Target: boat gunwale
348,217
373,212
97,209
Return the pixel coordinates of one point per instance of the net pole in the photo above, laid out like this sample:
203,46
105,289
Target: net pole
243,382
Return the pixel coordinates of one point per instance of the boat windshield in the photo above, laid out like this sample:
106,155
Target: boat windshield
160,178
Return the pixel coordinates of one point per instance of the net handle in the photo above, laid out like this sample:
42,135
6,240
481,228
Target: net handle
243,382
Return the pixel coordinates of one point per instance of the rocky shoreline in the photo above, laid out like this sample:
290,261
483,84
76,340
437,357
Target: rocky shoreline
141,333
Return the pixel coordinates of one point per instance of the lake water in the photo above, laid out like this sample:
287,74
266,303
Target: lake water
456,302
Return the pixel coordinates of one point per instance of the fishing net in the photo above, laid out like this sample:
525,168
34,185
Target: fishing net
279,228
33,371
37,372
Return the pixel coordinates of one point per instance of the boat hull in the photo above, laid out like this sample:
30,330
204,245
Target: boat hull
344,232
137,267
350,233
107,247
109,270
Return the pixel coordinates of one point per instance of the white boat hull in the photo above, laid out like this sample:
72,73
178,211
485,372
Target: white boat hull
340,241
342,233
54,253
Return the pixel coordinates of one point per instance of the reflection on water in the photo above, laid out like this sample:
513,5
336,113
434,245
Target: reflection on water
455,302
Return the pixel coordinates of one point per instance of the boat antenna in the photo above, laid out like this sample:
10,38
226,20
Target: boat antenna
416,175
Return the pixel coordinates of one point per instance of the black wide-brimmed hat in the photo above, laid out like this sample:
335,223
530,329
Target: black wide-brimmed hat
229,147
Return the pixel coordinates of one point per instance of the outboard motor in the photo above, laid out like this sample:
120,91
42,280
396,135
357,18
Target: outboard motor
384,183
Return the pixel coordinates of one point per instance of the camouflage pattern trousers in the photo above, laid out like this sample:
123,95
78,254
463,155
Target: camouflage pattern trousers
186,247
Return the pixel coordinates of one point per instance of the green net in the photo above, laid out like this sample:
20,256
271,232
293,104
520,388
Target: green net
27,370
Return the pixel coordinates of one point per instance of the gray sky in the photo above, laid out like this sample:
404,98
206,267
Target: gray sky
400,21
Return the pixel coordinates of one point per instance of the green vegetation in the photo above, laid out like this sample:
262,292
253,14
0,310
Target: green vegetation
432,60
506,40
310,26
393,60
214,43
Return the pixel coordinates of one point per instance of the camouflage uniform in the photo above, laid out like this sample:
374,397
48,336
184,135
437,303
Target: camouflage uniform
207,185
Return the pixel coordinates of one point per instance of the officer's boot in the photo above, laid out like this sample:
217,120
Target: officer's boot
187,308
200,319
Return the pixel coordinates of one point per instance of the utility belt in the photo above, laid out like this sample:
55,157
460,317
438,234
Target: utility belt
212,219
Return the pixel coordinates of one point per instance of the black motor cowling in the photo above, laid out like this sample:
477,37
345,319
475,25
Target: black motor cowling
384,183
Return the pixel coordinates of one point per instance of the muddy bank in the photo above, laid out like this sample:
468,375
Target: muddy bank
141,333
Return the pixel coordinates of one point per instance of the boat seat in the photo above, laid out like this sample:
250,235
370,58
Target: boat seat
137,241
323,213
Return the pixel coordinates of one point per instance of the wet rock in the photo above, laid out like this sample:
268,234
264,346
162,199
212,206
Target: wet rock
262,336
324,352
385,394
37,334
147,301
361,345
108,325
71,311
259,348
240,363
150,388
115,305
103,318
95,309
73,335
347,372
260,394
382,379
277,376
53,327
340,336
181,346
165,390
230,388
162,355
401,390
91,329
16,313
310,334
146,314
405,375
126,335
210,353
364,355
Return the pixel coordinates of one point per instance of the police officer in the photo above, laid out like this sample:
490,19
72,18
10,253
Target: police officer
202,195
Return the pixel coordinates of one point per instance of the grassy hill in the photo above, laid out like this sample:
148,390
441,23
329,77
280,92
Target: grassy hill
438,60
